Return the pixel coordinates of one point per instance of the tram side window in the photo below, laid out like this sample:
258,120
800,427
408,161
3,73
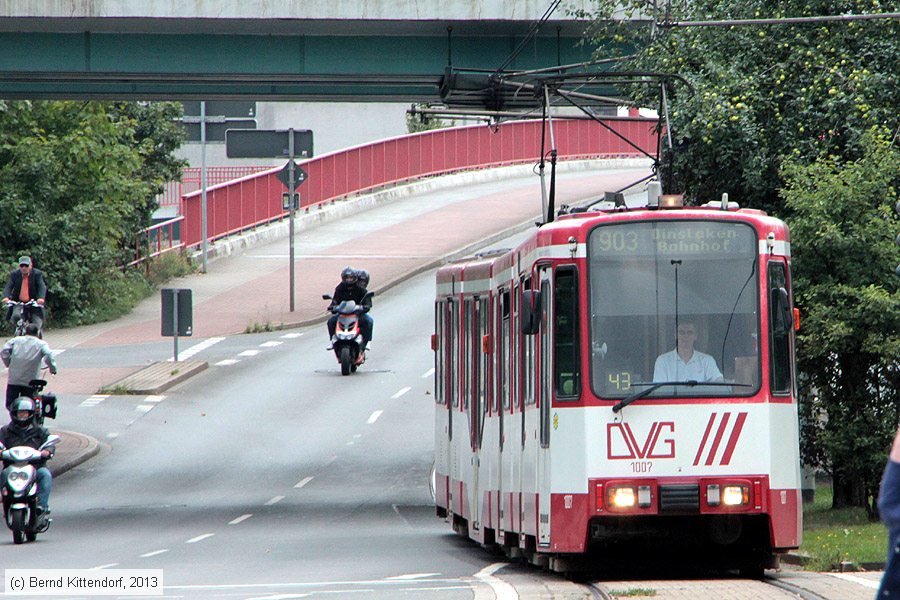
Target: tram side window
528,359
468,368
780,330
453,354
567,361
503,379
440,352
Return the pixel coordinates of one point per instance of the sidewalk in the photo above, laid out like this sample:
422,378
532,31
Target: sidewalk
394,234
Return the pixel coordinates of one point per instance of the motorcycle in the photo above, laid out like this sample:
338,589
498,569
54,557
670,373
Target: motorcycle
347,339
18,486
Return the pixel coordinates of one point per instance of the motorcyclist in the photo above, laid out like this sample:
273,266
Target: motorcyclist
24,431
24,284
348,289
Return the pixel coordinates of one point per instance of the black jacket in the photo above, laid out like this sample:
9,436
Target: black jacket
37,287
347,291
33,436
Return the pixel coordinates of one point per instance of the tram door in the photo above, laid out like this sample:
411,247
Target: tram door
545,395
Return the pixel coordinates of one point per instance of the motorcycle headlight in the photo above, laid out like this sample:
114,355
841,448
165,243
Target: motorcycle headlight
19,479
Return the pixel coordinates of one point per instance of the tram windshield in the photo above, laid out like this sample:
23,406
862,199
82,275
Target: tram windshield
652,283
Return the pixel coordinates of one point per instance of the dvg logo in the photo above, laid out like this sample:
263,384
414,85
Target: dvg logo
621,443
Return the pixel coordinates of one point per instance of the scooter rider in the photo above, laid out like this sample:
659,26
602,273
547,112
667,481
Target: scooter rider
348,289
23,431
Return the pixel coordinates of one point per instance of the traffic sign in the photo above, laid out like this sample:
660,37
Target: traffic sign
268,143
286,201
285,174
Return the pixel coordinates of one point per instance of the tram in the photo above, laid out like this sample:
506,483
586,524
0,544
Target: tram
571,419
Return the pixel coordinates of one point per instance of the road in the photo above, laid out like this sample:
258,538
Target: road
272,476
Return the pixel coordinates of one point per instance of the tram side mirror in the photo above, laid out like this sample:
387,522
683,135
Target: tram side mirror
531,312
782,316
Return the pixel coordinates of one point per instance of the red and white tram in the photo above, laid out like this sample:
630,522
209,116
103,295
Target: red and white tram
558,430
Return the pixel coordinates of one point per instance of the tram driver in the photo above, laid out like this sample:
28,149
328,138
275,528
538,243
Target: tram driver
684,363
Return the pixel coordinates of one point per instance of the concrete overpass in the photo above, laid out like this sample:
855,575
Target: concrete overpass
327,50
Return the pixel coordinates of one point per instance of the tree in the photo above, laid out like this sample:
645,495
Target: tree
77,181
843,249
761,94
799,120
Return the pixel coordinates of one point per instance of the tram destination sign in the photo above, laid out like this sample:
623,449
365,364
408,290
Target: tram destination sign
673,237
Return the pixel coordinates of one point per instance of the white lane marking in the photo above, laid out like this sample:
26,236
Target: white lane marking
144,408
411,576
400,393
94,400
249,353
240,519
227,361
189,352
502,590
428,373
374,416
279,597
869,583
201,537
103,566
274,500
56,353
291,336
303,482
112,435
154,553
270,344
154,398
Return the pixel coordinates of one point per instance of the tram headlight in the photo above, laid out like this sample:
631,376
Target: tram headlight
735,495
622,496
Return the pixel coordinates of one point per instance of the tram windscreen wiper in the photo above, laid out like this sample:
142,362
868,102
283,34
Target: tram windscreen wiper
655,386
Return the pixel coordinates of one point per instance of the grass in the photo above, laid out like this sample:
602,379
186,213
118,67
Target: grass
256,327
834,536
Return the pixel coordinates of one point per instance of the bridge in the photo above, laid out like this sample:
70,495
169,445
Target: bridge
311,50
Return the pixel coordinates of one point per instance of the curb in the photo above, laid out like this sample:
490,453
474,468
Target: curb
156,377
85,447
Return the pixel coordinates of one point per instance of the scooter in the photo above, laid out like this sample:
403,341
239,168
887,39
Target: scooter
18,486
347,339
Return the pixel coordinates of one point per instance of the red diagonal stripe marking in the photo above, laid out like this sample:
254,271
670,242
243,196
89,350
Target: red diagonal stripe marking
718,439
732,441
709,425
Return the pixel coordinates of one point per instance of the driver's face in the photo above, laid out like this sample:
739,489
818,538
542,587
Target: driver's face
23,415
26,269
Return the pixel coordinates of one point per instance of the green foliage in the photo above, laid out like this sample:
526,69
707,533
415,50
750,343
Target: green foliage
77,182
762,94
843,229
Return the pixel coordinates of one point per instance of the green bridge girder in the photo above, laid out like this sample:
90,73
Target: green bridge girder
384,66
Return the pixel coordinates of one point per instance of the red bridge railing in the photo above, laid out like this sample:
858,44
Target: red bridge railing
256,199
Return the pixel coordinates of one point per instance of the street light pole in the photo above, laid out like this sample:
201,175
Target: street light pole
291,180
203,181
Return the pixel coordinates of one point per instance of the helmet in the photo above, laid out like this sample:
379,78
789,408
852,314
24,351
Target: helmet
20,404
348,275
362,277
